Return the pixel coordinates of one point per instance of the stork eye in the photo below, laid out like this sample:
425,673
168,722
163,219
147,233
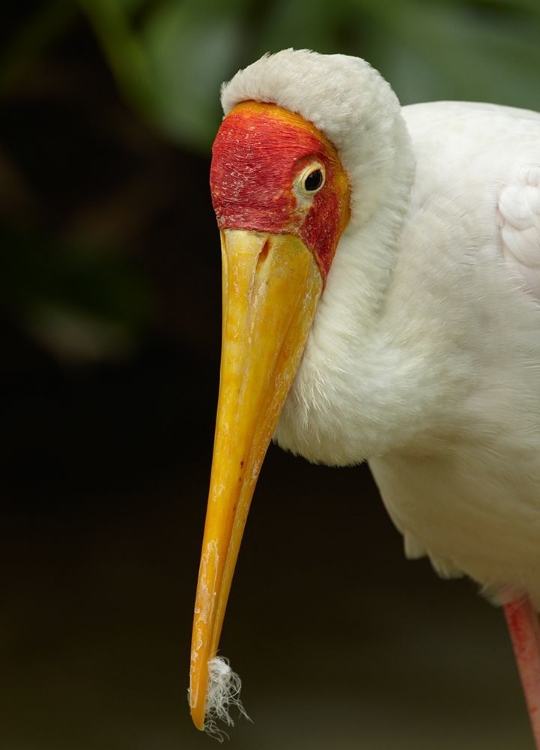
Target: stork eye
312,180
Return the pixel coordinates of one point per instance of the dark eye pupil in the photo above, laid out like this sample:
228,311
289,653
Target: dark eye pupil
313,181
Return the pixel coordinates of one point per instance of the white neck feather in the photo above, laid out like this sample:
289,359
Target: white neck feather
356,394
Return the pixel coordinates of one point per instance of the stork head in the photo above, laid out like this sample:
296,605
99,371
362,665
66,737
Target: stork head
283,199
274,173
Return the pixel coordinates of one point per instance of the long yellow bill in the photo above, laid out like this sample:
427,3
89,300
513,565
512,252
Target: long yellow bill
271,286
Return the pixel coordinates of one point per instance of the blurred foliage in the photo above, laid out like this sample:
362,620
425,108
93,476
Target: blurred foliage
168,59
82,305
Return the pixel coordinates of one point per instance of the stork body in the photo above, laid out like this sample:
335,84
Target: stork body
439,389
418,346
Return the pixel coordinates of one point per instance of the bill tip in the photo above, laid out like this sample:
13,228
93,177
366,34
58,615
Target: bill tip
222,695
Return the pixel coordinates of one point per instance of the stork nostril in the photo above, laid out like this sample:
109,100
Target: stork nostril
264,253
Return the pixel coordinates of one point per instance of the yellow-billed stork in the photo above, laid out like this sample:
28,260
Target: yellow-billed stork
381,302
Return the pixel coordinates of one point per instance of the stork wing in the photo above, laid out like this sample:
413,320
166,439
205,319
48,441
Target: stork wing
519,211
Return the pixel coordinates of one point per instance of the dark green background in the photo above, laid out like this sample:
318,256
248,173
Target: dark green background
110,325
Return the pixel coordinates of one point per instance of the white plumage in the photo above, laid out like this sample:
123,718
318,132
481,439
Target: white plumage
422,353
424,356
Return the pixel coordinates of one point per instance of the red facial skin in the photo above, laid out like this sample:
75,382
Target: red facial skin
258,154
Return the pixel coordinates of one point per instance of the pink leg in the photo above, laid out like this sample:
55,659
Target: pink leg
524,628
